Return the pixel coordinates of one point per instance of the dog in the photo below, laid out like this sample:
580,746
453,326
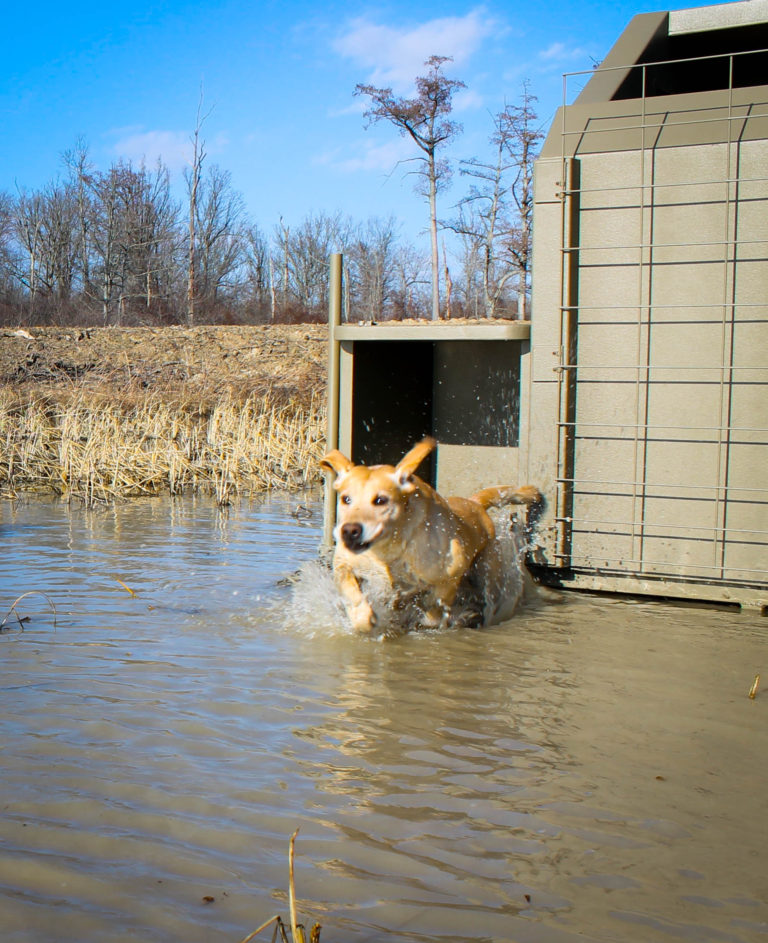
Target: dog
396,535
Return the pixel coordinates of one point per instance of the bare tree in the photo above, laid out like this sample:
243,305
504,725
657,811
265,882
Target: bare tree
496,217
220,257
258,267
469,288
410,277
303,253
369,258
520,131
425,120
80,172
193,175
483,217
148,219
7,250
28,225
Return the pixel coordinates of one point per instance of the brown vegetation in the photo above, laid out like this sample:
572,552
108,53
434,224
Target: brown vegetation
102,413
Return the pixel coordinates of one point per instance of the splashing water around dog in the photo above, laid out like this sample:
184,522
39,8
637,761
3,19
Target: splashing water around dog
315,607
401,545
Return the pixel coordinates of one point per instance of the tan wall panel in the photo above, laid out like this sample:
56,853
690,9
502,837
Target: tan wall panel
747,477
690,284
747,548
609,287
609,345
606,457
751,290
672,555
683,411
463,470
684,346
695,464
609,404
699,172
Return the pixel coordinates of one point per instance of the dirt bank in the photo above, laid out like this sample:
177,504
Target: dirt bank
105,413
203,363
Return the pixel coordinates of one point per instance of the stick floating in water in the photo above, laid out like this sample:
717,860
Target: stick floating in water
755,686
125,586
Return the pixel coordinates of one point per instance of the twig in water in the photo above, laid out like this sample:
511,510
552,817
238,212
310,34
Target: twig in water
125,586
279,928
298,934
22,619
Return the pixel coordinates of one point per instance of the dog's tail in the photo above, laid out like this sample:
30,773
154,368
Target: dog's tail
499,497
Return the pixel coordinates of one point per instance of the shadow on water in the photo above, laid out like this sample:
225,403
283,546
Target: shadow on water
591,770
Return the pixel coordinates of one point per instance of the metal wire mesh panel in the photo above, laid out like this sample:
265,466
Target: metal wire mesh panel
663,368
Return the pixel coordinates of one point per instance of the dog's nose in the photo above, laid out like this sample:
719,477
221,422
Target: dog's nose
352,535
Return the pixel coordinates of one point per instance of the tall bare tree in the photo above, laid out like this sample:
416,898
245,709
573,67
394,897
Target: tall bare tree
425,120
221,239
369,257
258,267
8,250
193,175
302,257
521,132
410,276
80,170
497,214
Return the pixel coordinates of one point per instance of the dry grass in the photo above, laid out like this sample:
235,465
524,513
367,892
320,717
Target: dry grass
298,931
96,448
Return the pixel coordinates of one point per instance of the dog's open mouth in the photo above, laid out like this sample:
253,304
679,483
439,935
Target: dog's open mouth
356,543
354,537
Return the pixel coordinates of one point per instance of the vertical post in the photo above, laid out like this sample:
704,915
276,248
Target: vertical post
332,429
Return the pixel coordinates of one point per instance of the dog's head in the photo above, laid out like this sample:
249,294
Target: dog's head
372,498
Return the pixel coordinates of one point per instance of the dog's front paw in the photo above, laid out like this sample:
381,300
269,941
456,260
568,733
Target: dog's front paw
362,617
436,617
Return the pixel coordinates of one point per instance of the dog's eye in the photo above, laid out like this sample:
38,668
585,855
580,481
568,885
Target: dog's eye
345,499
381,499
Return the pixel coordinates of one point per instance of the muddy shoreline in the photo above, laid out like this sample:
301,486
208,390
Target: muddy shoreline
287,361
104,413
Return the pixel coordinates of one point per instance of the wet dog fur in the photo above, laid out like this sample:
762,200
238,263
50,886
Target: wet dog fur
396,535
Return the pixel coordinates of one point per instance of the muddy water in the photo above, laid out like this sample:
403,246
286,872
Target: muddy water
592,770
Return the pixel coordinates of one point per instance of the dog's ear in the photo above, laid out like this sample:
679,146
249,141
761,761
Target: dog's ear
410,462
336,462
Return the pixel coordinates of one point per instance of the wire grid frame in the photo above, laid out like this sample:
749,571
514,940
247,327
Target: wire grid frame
662,448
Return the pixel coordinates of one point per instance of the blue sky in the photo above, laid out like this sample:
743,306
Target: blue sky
277,79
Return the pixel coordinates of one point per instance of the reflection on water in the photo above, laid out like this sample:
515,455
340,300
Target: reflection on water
592,770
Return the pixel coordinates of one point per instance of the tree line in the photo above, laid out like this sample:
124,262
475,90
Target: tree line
116,247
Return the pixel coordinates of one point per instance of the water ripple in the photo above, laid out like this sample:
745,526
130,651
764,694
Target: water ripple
586,772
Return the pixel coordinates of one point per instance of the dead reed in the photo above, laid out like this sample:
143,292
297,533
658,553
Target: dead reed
100,448
298,931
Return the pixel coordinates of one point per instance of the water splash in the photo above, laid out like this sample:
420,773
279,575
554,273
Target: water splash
314,607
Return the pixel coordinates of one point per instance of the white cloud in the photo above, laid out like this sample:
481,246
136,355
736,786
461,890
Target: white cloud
393,56
558,54
558,57
378,156
554,51
467,100
174,148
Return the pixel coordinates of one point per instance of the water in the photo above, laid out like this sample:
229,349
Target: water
592,770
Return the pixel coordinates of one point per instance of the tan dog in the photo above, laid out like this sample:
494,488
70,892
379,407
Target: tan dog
397,535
